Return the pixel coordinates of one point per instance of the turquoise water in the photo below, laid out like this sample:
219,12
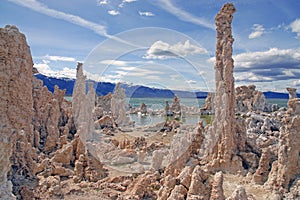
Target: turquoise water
279,102
159,103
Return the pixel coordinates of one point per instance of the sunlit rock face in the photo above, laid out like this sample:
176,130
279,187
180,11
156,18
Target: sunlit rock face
118,106
221,140
249,99
15,99
294,102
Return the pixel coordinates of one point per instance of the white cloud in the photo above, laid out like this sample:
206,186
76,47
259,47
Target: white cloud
272,65
45,69
128,1
296,83
250,76
60,58
274,57
191,82
102,2
41,8
147,14
295,26
258,31
114,62
183,15
163,50
113,12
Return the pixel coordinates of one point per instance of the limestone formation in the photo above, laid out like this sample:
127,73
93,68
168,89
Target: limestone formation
294,102
292,93
221,141
261,174
118,106
238,194
157,159
175,107
143,108
167,109
105,122
79,92
208,107
104,102
83,105
16,100
249,99
217,187
286,169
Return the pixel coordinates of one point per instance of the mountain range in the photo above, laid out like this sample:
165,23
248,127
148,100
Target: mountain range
134,91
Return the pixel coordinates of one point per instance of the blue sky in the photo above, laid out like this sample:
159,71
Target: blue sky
161,43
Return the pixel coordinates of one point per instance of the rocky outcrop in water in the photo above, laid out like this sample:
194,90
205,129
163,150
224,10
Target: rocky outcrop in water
118,106
294,102
208,107
249,99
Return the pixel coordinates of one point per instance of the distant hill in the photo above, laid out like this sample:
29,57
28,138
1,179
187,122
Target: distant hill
135,91
276,95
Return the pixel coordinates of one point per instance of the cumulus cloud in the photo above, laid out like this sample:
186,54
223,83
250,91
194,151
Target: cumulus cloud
147,14
60,58
272,65
163,50
102,2
45,69
113,12
257,31
295,26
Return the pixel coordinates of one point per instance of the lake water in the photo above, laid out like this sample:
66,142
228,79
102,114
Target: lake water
159,103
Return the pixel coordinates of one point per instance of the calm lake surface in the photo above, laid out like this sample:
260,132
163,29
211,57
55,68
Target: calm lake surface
159,103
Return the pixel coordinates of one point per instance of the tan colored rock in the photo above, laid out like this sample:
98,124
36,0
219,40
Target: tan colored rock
183,146
262,172
179,192
208,107
16,102
249,99
104,102
78,95
94,170
294,101
143,108
217,192
80,164
105,122
64,155
292,93
175,107
198,189
118,106
141,186
238,194
221,138
157,159
286,168
168,184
